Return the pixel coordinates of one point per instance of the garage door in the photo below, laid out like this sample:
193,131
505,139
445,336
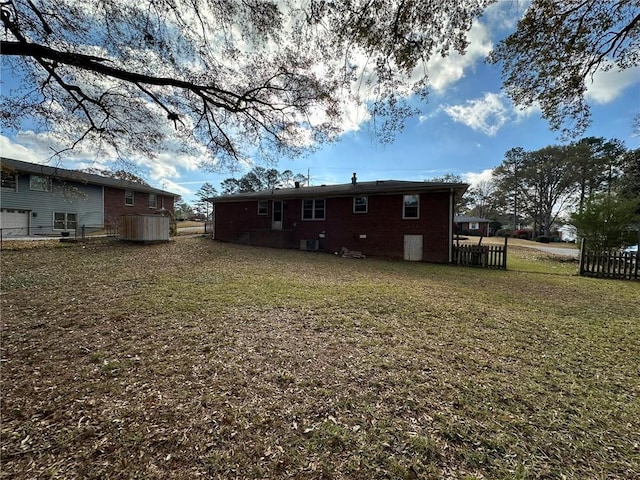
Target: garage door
14,223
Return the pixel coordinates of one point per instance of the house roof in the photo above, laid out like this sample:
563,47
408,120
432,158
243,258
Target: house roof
78,176
464,219
379,187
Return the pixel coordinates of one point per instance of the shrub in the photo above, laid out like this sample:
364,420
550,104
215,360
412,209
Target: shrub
542,239
523,233
605,221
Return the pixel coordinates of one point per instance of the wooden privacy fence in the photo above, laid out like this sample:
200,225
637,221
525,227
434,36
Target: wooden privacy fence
485,256
618,265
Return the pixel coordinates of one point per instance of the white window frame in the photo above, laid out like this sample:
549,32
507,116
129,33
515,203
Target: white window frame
315,204
132,196
39,183
404,207
356,204
6,178
263,207
67,224
154,203
474,226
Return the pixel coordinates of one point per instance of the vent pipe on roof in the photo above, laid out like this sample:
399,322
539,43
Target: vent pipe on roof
353,179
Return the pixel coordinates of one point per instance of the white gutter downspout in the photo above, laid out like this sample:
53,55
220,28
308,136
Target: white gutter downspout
451,202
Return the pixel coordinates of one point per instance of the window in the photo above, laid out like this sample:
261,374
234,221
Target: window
263,207
153,200
128,197
313,209
411,208
474,226
9,181
65,221
39,183
360,204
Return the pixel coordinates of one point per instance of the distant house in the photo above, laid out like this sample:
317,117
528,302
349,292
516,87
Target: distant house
42,200
567,233
472,226
397,219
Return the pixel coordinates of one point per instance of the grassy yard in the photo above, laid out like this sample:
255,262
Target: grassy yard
195,359
189,223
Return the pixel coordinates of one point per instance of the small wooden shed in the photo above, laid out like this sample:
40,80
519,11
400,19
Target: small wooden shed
135,227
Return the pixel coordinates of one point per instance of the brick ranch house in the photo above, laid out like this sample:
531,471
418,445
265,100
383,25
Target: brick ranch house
472,225
390,218
43,200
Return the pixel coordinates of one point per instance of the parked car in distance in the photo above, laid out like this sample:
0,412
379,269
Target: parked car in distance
631,249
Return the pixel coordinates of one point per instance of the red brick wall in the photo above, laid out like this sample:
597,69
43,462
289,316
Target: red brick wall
233,220
465,226
383,225
114,205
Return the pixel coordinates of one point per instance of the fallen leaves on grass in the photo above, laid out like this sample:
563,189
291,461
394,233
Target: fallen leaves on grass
195,359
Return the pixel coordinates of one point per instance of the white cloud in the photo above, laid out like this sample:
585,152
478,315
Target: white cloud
444,71
168,165
165,169
428,116
475,178
524,112
487,114
18,152
607,86
171,186
505,15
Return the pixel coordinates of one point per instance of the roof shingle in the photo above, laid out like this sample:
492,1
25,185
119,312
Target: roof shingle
378,187
78,176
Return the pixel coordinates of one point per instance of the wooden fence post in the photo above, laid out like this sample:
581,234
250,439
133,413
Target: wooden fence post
504,254
582,252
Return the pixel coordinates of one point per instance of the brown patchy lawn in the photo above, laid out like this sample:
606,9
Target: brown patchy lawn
196,359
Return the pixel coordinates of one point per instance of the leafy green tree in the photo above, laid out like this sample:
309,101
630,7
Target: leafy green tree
482,200
537,184
606,221
507,180
205,192
201,210
597,164
629,183
288,179
543,183
230,186
547,185
182,210
260,178
559,46
240,78
461,203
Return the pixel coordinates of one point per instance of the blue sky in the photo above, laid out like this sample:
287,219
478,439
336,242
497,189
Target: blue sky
464,128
